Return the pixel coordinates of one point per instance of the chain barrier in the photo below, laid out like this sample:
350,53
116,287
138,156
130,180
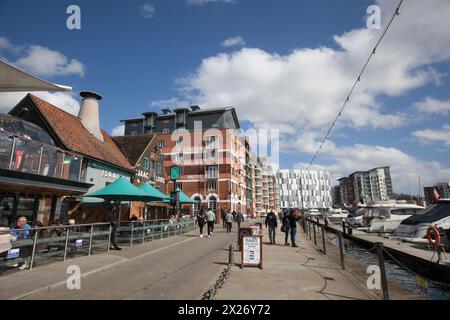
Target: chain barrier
441,284
209,295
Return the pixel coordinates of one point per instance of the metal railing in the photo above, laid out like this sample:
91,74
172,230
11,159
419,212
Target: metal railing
135,232
58,243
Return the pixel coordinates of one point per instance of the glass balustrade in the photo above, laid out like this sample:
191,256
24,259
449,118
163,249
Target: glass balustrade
28,156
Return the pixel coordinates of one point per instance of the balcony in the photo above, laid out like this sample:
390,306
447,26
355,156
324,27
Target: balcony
32,157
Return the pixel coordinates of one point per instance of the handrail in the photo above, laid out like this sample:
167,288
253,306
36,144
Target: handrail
62,227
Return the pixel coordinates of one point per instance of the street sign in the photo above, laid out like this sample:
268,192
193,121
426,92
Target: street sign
252,252
174,173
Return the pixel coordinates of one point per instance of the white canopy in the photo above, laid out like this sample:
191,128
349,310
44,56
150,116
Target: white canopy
13,79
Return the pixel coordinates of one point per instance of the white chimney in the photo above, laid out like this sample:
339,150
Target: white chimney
89,113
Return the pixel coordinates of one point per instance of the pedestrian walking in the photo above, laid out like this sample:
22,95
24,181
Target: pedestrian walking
239,218
211,219
201,220
111,217
286,228
272,224
229,219
293,218
223,216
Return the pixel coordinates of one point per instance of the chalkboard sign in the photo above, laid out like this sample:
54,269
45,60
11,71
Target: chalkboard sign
243,232
252,252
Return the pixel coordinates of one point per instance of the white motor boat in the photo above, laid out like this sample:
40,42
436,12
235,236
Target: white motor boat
414,229
336,215
386,217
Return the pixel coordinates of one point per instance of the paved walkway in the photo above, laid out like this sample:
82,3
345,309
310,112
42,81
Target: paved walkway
177,268
290,273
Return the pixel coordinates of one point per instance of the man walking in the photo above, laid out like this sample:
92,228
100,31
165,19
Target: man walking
272,224
223,216
239,218
229,219
211,219
293,218
111,217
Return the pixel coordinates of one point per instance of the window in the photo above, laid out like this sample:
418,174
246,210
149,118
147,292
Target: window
158,169
212,204
179,186
180,142
179,158
166,130
133,133
196,205
162,144
212,185
212,172
146,162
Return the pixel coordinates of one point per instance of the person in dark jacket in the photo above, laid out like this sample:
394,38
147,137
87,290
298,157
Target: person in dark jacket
201,221
293,218
111,217
272,224
286,228
239,218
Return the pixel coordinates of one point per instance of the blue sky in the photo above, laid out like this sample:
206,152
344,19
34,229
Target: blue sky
136,62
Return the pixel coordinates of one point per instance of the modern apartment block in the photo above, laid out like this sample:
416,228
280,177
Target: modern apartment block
366,186
304,189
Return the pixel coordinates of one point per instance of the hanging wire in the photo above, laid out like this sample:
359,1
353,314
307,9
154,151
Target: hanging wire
347,100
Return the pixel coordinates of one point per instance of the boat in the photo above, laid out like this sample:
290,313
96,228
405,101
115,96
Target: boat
385,217
336,215
414,229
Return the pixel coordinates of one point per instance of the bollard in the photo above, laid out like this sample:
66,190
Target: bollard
349,230
231,256
341,250
343,227
323,240
384,284
309,229
315,238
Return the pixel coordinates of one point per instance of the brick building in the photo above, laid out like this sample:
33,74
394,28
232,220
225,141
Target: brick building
144,155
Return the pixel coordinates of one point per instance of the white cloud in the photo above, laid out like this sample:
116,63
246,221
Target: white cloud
62,100
6,45
405,169
118,131
433,106
148,10
203,2
434,136
306,87
42,61
233,42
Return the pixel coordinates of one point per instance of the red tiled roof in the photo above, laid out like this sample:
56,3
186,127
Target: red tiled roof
72,133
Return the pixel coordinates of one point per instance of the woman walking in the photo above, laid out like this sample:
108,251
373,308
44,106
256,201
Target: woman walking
201,221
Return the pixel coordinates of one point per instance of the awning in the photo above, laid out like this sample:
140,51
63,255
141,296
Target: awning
13,79
152,191
121,190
